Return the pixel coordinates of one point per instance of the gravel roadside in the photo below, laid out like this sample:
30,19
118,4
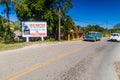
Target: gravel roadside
117,68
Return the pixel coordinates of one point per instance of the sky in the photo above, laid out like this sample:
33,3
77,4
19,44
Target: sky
105,13
13,16
102,12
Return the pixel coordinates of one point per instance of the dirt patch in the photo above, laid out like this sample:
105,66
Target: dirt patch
117,68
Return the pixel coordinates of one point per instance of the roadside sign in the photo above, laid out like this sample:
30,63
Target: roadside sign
34,29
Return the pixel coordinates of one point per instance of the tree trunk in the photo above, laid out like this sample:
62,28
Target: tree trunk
8,21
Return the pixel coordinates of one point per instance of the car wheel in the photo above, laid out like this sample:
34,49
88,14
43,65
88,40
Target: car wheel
94,40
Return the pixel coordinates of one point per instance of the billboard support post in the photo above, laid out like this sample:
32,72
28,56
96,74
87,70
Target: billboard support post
42,38
27,39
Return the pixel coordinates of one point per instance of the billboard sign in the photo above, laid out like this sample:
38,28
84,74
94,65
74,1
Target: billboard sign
34,29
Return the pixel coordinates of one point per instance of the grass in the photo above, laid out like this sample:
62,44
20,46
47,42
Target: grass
16,45
12,45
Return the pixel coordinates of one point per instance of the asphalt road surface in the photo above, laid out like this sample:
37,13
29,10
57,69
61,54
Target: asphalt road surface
75,60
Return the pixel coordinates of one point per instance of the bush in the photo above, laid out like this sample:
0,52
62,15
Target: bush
8,38
51,39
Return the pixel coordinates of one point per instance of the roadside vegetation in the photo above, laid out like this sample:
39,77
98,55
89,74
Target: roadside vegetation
42,10
4,46
15,45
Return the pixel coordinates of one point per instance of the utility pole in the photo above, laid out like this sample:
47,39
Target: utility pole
107,27
106,24
59,25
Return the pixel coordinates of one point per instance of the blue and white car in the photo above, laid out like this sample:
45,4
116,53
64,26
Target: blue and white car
115,37
93,36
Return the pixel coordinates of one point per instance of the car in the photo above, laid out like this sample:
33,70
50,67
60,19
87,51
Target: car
93,36
114,37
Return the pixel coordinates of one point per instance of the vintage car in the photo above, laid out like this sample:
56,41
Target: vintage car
93,36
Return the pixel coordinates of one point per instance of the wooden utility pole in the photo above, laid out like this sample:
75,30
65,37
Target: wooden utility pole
59,38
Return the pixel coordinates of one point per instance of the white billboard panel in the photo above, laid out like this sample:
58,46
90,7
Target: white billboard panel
34,29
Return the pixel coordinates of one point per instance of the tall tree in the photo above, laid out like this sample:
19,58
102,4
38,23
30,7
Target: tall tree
43,10
63,7
69,25
30,10
2,28
7,4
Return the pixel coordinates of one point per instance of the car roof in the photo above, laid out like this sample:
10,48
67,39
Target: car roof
93,32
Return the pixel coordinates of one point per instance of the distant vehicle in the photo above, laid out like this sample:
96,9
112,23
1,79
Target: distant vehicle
93,36
115,37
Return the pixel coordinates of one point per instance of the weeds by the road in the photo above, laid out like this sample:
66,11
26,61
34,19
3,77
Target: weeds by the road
4,46
15,45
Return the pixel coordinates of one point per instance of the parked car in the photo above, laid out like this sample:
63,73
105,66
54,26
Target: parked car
93,36
114,37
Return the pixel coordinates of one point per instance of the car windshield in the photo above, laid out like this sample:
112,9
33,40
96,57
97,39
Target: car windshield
115,34
90,33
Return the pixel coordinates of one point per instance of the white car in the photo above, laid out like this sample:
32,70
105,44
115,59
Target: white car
115,37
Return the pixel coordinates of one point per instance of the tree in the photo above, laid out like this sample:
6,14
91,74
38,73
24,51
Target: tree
30,10
117,26
62,6
98,28
43,10
8,8
78,27
2,28
115,29
68,26
95,28
89,28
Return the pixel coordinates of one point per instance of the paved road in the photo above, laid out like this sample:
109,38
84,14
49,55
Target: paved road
76,60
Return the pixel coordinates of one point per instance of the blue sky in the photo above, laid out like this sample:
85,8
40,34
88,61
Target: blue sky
12,15
103,12
86,12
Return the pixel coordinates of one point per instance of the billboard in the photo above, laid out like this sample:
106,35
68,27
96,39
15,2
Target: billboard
34,29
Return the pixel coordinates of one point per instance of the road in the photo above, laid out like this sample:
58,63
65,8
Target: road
74,60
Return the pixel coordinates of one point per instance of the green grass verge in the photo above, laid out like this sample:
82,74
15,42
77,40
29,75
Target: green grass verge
12,45
16,45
